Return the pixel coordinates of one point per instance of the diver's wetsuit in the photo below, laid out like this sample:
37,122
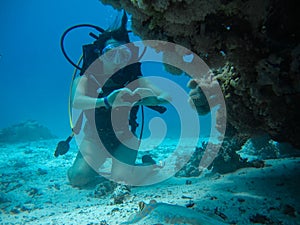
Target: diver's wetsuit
102,117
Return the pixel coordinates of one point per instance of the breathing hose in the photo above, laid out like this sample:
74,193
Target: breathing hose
66,32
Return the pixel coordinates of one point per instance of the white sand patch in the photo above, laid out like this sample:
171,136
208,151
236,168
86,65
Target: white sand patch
34,190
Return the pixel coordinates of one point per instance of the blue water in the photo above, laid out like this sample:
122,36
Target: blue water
35,76
35,80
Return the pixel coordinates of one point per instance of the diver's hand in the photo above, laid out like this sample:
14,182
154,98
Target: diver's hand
120,97
145,96
201,89
140,96
144,92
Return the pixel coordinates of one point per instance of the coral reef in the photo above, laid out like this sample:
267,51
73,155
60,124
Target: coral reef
118,193
104,188
262,148
227,160
252,47
29,130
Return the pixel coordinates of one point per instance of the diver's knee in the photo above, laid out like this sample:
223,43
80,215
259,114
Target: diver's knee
78,178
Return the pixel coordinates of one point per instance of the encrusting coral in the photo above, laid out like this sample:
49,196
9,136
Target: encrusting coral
252,47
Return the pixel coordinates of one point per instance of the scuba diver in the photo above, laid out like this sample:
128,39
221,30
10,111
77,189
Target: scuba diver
110,104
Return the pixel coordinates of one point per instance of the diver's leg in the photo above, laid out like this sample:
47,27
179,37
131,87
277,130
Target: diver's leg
124,168
87,162
123,159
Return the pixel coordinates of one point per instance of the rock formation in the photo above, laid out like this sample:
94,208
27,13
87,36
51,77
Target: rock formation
27,131
252,47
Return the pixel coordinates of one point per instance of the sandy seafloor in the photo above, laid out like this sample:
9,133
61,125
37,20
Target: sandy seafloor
34,190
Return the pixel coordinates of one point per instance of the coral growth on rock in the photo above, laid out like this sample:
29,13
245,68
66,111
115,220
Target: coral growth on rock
29,130
252,47
227,160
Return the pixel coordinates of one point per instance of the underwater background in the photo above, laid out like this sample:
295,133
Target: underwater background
35,75
251,181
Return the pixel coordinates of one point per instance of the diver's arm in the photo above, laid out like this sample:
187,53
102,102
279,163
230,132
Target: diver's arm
82,101
151,95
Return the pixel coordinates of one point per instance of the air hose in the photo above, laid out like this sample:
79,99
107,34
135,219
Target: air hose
72,28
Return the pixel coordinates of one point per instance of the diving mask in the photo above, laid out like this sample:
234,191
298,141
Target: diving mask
117,53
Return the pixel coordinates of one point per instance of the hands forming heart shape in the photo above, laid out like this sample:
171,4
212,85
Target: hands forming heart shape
127,97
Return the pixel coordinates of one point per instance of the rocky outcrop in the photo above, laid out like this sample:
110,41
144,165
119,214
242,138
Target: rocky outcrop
226,161
252,47
26,131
